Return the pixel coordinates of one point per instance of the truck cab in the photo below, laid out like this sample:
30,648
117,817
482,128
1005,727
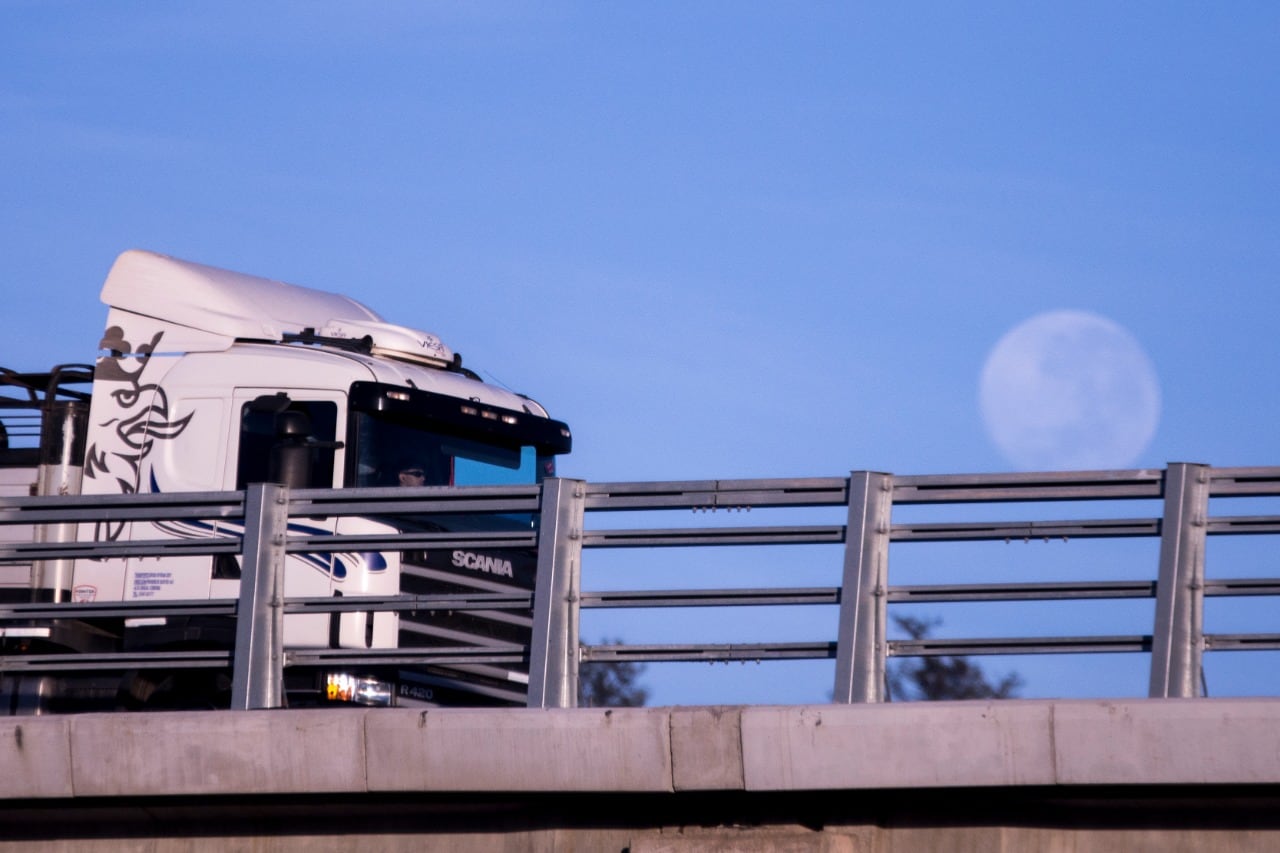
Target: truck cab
210,380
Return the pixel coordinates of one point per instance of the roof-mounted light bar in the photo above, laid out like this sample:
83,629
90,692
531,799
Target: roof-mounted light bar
462,416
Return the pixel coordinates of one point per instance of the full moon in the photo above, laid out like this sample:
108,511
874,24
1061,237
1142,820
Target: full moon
1069,390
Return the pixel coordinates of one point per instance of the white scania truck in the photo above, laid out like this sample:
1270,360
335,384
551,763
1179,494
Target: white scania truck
201,373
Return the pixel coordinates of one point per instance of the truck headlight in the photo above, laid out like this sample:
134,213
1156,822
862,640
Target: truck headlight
358,689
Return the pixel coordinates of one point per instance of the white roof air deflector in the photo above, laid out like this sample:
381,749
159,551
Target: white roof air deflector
219,301
393,341
228,305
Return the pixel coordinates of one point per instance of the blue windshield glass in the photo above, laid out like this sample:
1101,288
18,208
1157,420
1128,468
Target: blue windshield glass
391,453
472,471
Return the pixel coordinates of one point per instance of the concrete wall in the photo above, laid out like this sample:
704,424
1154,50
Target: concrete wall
1129,775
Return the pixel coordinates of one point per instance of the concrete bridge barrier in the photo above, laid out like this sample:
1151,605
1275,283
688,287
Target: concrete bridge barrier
1008,775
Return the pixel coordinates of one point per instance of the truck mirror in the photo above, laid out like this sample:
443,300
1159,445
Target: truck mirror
291,453
261,412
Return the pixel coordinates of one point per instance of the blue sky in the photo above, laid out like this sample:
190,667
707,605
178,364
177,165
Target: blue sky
720,239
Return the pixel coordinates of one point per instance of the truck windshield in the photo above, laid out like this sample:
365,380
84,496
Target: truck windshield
397,454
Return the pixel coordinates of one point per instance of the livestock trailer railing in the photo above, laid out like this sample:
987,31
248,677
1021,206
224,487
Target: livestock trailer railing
574,520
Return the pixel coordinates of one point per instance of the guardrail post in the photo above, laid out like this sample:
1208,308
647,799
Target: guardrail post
553,652
862,646
1177,641
257,677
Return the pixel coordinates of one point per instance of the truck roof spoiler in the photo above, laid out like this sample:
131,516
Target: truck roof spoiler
226,306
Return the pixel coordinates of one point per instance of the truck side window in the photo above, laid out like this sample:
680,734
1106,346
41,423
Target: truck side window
256,443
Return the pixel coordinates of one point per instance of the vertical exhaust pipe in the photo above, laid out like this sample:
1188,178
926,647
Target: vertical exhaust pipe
63,428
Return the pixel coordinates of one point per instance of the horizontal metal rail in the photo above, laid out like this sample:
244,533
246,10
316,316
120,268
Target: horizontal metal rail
710,597
402,603
689,537
1019,645
1242,586
140,609
1223,526
27,552
90,661
206,546
429,500
97,508
1243,642
407,541
716,494
432,500
713,652
407,656
221,658
1011,488
1024,530
1040,591
1244,482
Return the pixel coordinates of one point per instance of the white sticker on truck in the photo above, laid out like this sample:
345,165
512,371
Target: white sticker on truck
147,584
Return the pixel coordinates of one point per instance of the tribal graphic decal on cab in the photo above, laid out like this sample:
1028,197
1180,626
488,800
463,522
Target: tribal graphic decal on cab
141,419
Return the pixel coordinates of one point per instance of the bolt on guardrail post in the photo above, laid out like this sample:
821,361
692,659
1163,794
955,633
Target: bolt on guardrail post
1177,640
553,651
862,646
257,676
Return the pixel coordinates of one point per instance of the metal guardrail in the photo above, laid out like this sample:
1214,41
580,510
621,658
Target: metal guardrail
860,649
264,511
862,646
